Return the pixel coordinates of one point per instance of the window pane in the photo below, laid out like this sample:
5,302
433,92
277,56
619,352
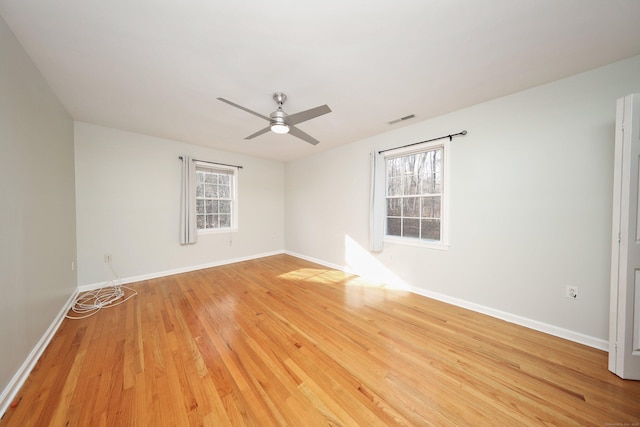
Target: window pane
427,165
394,207
437,183
224,179
411,207
210,191
431,229
427,207
437,162
411,227
199,177
210,221
394,186
408,164
436,206
394,167
224,192
200,206
200,190
411,185
200,221
431,183
431,207
224,220
211,178
224,206
394,227
427,184
432,161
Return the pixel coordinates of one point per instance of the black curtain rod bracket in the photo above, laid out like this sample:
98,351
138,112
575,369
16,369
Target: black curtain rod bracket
464,132
213,163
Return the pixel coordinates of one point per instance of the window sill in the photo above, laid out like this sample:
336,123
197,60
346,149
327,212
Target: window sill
417,243
218,231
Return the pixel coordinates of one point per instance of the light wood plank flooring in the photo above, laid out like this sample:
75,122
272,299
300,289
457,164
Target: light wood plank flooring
284,342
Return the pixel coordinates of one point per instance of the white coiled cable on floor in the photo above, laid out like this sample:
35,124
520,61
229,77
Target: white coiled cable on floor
112,294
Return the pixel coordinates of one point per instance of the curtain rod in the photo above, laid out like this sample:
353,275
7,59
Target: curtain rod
464,132
213,163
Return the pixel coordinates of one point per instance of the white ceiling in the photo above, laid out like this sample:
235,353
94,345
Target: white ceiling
157,66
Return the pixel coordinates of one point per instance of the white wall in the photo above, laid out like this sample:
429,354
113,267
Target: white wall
37,211
128,194
531,194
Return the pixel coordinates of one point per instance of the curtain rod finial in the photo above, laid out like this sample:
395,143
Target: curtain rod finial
464,132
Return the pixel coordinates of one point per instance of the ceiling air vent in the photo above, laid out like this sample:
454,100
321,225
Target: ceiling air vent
402,119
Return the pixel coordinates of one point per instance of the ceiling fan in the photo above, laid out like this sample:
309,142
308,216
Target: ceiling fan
281,122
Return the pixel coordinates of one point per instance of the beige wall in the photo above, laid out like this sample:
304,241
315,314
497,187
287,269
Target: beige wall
37,210
128,198
531,202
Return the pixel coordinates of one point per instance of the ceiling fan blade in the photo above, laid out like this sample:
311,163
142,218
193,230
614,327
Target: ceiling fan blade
245,109
260,132
303,116
302,135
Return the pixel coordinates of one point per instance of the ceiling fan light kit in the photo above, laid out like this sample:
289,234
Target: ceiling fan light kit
281,122
280,128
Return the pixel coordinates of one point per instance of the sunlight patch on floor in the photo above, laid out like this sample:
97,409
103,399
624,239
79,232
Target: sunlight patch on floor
366,280
316,275
358,291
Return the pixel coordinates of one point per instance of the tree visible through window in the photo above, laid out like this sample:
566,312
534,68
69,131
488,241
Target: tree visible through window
414,195
215,198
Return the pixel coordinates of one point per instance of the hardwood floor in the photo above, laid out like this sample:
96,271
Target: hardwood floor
281,341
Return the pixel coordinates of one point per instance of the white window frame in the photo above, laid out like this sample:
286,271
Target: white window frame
233,173
443,243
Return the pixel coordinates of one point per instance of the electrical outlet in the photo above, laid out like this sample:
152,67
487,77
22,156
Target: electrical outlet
107,257
572,292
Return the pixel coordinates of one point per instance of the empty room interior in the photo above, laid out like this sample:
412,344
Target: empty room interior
319,213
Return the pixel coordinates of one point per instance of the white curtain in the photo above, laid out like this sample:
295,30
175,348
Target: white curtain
377,202
188,229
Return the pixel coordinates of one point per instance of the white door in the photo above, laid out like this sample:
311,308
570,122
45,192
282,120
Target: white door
624,329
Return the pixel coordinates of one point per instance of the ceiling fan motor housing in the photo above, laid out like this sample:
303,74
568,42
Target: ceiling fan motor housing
278,116
278,122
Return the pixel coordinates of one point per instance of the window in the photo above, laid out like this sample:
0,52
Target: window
216,198
415,196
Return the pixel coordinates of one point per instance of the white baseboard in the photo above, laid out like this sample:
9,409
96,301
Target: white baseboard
12,389
165,273
318,261
536,325
518,320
